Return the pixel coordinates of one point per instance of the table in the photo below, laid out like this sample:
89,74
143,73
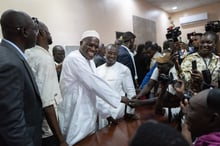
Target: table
120,134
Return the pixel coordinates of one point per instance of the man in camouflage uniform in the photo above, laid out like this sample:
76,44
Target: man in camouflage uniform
208,66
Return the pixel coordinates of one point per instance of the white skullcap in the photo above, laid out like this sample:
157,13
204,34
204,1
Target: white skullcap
90,33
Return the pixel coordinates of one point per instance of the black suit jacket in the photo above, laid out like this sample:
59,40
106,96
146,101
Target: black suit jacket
125,58
142,66
20,104
99,60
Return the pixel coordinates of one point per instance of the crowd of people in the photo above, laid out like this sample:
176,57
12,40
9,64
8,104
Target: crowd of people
57,100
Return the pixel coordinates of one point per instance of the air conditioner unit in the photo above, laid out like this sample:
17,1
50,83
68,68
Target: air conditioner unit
193,18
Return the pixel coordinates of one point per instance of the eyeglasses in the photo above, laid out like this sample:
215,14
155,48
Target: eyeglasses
36,25
35,20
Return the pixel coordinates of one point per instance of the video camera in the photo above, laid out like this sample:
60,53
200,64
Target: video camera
168,79
213,26
173,33
189,35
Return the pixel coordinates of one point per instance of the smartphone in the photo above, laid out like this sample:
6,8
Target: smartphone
194,65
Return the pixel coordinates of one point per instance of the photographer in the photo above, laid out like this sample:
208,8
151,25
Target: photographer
165,74
194,40
173,33
205,72
167,77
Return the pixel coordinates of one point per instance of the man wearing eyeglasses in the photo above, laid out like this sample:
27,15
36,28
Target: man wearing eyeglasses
20,103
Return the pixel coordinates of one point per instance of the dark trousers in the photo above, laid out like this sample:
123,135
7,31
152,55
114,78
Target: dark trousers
50,141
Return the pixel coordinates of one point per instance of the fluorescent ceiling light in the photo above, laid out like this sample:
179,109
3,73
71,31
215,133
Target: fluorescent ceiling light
174,8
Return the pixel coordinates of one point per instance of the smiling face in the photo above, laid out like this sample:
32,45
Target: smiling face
207,44
111,55
89,47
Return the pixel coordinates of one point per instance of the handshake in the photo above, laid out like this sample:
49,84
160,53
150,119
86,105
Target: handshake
134,102
127,101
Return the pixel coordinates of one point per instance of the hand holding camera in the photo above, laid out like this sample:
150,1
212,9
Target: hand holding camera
179,86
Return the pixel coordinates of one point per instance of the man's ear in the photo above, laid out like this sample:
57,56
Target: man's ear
24,32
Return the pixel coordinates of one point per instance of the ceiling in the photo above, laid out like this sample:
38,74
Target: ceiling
182,5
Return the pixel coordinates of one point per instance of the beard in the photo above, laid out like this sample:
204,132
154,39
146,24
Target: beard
49,41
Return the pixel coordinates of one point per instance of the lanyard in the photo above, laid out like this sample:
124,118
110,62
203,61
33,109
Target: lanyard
207,65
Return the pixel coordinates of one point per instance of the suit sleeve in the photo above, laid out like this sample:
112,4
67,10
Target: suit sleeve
13,128
127,61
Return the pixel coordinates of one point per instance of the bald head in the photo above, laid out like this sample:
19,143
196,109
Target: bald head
200,98
58,53
208,100
12,20
57,48
204,111
19,28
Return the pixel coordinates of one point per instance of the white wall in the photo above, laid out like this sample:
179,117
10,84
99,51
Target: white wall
213,14
68,19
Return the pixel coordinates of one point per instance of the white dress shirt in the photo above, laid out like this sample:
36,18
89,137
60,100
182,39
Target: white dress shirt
118,76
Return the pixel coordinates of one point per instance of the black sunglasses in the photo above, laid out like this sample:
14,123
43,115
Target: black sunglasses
35,20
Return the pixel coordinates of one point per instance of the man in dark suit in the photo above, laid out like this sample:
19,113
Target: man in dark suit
20,104
125,55
99,58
